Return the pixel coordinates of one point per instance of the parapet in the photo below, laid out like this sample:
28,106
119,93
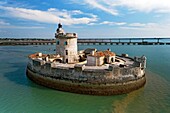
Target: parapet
141,60
66,35
71,35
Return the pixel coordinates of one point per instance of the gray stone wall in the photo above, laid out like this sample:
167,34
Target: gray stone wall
92,76
86,88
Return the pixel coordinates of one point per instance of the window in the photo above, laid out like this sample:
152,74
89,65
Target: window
66,60
65,43
112,60
58,42
66,52
105,60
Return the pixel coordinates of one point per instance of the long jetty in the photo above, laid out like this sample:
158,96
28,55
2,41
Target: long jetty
90,41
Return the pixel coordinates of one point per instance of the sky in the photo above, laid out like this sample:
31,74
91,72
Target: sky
88,18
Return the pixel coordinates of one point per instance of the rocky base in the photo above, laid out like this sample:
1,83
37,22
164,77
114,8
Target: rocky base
83,88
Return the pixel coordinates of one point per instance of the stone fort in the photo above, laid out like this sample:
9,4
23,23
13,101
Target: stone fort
86,71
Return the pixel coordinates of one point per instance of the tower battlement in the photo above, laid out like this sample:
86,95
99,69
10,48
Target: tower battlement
66,35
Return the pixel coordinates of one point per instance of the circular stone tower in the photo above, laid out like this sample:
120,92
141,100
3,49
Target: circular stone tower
66,45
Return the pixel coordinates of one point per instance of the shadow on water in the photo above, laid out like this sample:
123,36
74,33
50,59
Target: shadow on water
47,99
18,76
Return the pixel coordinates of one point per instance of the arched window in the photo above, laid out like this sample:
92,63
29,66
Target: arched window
65,43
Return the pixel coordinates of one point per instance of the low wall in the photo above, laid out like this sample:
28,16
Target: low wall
86,88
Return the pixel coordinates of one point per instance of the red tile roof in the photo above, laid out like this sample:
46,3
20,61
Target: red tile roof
103,53
108,53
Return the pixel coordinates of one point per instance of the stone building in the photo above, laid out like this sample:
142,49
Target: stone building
101,57
66,45
141,61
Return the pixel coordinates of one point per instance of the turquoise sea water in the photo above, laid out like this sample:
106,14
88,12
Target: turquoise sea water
20,95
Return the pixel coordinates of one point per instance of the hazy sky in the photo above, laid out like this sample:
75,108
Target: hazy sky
89,18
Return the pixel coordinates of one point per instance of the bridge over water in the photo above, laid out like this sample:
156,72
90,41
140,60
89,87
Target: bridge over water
91,41
126,41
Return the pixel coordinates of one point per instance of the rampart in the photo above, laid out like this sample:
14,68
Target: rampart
79,79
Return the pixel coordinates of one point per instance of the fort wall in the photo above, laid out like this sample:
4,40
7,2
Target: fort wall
82,74
79,79
86,88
